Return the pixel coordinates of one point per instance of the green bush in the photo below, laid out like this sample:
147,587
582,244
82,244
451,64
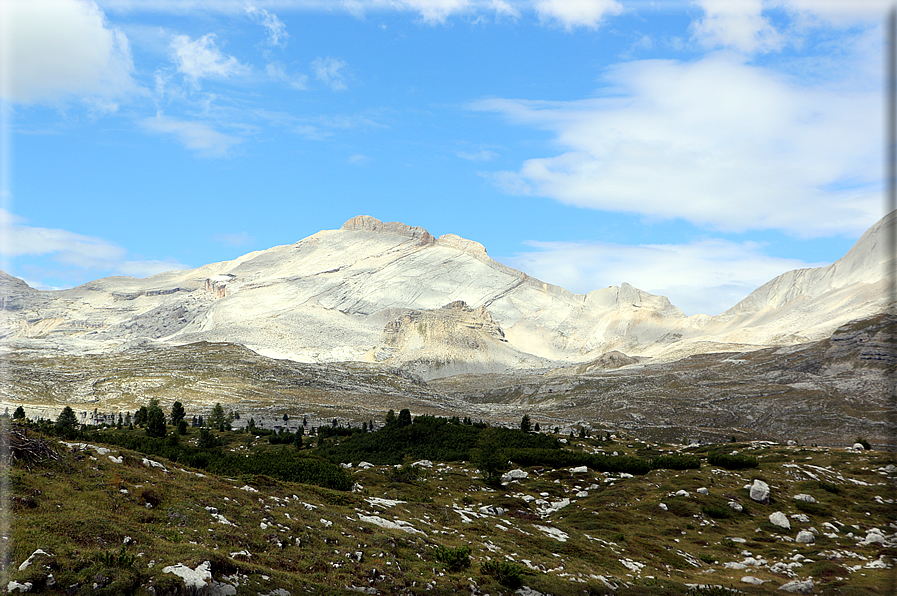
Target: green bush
810,508
717,511
829,487
507,574
454,559
732,462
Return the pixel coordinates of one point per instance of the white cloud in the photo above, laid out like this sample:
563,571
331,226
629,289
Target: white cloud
72,250
327,70
837,12
717,142
705,276
277,31
359,159
277,72
196,136
436,11
737,24
503,9
573,13
198,59
55,49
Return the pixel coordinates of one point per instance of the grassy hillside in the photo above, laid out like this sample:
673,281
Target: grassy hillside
115,521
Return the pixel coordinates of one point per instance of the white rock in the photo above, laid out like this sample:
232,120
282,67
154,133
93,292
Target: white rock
514,475
14,586
365,465
664,506
194,579
736,506
759,491
580,470
153,464
248,489
750,579
805,537
873,537
804,498
393,525
734,565
779,519
553,532
858,446
681,493
798,586
27,562
424,463
703,491
492,510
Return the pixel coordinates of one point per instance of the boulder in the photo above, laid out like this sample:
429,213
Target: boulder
805,537
194,579
798,586
750,579
779,519
858,446
759,491
514,475
580,470
703,491
736,506
804,498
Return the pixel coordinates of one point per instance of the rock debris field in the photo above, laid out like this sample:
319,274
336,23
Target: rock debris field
107,520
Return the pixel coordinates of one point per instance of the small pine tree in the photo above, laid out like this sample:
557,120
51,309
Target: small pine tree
217,420
525,424
128,418
177,413
404,418
536,428
305,421
19,413
390,417
155,423
66,421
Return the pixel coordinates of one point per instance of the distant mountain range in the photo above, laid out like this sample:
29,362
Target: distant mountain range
393,294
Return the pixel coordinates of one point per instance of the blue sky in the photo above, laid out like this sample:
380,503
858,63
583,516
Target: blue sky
692,149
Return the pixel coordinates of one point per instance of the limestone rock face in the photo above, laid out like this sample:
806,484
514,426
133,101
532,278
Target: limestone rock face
388,292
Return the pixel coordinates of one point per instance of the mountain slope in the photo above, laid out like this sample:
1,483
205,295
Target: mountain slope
335,295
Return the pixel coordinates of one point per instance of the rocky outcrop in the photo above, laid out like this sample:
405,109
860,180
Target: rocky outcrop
366,223
327,298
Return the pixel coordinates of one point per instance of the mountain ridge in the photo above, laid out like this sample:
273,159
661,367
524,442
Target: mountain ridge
331,296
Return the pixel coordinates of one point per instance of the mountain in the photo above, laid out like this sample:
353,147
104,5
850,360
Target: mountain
393,294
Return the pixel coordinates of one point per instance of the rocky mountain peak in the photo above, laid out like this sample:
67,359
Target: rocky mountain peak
366,223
